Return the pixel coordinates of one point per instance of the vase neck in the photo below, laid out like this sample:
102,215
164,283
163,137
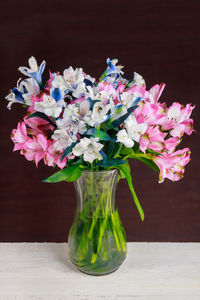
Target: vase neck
96,191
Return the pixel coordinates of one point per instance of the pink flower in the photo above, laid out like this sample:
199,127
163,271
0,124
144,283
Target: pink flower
149,113
138,91
35,148
81,99
53,156
177,119
37,126
153,139
172,165
155,92
171,144
121,87
19,136
49,82
34,99
108,88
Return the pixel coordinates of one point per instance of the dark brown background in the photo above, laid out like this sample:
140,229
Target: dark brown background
160,40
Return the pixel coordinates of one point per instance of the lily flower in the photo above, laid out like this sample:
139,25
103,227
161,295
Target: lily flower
172,165
64,138
53,156
89,148
134,129
177,119
153,139
19,136
113,70
75,117
122,137
23,93
129,100
99,114
150,113
74,81
137,80
34,71
50,106
155,92
35,148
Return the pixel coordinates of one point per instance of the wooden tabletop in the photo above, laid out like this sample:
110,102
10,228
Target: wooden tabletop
152,271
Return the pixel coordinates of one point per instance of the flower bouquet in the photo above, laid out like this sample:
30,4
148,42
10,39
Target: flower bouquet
89,129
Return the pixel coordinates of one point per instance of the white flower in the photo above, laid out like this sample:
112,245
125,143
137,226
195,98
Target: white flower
89,148
34,71
23,92
75,116
74,81
64,138
128,99
99,114
118,111
139,81
49,106
32,88
134,129
58,82
122,137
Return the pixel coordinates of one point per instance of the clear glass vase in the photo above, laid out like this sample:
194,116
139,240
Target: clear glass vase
97,240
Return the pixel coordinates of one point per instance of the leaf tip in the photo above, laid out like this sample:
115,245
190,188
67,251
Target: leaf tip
45,180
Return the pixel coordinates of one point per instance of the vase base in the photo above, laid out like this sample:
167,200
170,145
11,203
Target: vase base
99,269
98,274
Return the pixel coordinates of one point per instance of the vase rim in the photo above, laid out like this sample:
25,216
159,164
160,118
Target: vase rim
100,171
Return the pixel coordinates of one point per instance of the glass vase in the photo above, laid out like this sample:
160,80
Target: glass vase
97,240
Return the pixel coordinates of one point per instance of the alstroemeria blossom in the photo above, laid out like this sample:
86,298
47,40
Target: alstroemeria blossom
172,165
64,138
155,92
24,92
153,139
19,136
149,113
50,106
89,148
123,137
177,115
34,71
137,80
35,148
134,129
53,156
74,80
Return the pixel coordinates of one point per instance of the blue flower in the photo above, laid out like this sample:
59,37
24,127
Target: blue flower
113,70
34,71
56,94
23,92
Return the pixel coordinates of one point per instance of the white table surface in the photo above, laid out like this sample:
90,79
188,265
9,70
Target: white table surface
153,271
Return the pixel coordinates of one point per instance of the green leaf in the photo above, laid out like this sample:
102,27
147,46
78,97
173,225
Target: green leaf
150,163
126,151
42,116
76,174
110,150
127,173
62,174
102,135
120,120
118,149
68,150
145,158
111,162
154,152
